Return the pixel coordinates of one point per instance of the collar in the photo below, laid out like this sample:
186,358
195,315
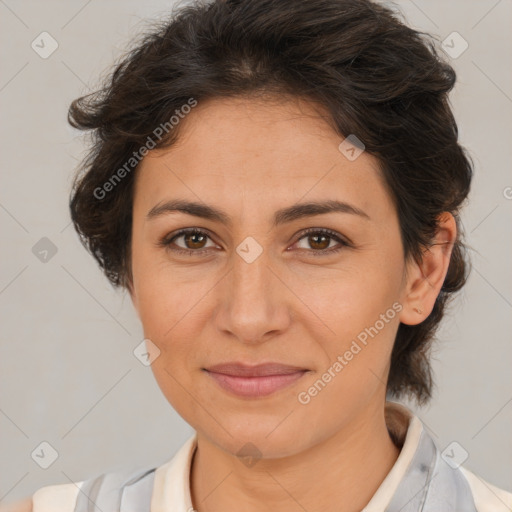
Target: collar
420,479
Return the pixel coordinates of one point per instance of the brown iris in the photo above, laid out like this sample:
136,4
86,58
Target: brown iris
194,237
316,243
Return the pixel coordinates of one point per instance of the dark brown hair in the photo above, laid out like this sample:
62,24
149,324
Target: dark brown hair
376,77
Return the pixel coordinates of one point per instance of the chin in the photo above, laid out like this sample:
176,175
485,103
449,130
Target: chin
257,439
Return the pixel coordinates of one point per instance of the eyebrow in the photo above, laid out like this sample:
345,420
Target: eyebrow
282,216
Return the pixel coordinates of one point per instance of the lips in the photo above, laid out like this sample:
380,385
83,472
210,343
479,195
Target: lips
254,381
261,370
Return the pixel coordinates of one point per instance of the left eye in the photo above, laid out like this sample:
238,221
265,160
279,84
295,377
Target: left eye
321,239
318,239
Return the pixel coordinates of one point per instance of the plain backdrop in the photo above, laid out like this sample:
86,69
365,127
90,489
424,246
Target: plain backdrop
68,373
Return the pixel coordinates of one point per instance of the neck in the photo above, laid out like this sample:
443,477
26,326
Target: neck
341,473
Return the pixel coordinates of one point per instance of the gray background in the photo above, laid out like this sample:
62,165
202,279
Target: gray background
68,374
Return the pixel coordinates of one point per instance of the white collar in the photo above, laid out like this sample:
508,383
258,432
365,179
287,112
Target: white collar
171,489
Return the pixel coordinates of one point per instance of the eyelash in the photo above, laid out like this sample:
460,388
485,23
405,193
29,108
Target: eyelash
167,241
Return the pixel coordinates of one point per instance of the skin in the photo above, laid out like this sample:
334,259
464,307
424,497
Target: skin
20,506
251,157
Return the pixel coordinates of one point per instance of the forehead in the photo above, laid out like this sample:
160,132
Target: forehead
281,150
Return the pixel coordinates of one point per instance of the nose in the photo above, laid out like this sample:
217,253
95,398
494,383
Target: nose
253,301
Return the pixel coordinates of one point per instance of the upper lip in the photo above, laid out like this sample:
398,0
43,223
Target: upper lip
260,370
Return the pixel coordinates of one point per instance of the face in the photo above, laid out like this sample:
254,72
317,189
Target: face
321,291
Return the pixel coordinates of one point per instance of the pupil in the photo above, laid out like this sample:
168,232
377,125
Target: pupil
193,236
317,237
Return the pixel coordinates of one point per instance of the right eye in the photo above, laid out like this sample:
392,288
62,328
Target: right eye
192,237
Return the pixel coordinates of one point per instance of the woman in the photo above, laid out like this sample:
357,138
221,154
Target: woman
278,187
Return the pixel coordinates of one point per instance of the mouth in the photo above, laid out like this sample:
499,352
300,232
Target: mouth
254,381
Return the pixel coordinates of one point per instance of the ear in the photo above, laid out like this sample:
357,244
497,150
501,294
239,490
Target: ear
424,279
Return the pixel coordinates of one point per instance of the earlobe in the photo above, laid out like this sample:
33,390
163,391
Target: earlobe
426,277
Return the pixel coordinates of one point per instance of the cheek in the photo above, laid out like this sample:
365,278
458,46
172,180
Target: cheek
158,298
173,312
347,300
357,312
359,320
170,308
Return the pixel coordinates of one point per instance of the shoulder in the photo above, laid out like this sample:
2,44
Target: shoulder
487,497
51,498
55,498
19,506
109,489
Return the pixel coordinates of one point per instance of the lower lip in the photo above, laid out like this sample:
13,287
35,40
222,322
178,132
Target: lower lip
255,386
